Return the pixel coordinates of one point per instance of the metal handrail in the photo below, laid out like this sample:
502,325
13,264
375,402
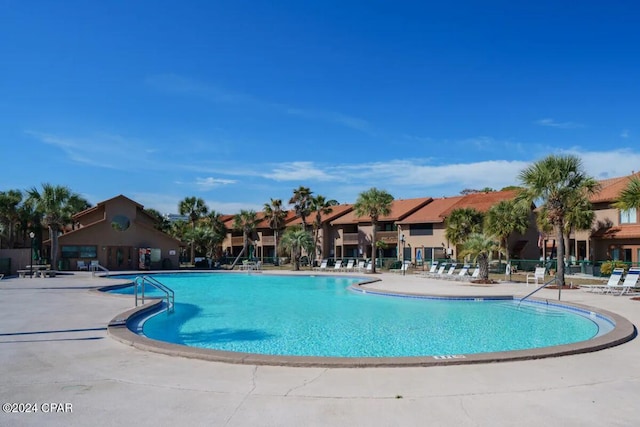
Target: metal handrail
544,285
169,294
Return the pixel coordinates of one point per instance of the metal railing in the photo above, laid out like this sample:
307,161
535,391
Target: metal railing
168,292
553,279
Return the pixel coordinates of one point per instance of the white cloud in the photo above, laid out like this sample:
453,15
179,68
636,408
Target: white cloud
559,125
210,182
300,171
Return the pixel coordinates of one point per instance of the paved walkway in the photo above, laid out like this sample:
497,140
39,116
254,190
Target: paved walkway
54,349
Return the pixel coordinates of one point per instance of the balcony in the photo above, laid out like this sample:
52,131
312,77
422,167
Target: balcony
350,238
267,241
237,241
389,237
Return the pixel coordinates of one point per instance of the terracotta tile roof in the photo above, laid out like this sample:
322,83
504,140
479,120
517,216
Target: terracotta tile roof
400,208
482,201
432,212
618,232
611,188
337,211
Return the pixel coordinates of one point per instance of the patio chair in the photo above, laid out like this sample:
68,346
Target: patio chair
338,265
452,268
463,273
350,265
476,273
361,265
82,265
432,270
612,283
537,276
630,281
323,265
403,268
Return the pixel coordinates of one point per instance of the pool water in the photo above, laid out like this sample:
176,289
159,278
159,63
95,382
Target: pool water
320,316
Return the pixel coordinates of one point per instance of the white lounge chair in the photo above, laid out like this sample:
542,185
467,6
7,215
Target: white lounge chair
476,273
350,265
323,265
361,265
630,281
403,268
537,276
452,268
463,274
338,265
614,280
612,283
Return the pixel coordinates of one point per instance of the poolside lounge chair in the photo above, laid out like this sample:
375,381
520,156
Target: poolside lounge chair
361,265
463,273
630,281
350,265
82,265
475,273
323,265
338,265
537,276
440,271
369,267
403,268
612,283
452,268
1,276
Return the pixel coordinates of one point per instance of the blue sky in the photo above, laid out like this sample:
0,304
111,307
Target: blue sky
238,102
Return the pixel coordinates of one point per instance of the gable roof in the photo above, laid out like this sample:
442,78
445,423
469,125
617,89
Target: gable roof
400,208
611,188
104,202
336,212
432,212
482,202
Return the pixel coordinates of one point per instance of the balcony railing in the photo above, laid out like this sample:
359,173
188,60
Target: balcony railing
350,238
389,237
267,241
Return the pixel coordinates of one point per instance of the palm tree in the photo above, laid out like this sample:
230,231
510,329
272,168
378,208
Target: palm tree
245,221
320,206
53,206
480,247
580,217
195,208
629,198
504,218
558,181
216,232
275,215
373,203
10,213
162,223
301,201
461,223
294,240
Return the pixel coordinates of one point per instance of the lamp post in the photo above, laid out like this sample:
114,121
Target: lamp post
402,241
31,235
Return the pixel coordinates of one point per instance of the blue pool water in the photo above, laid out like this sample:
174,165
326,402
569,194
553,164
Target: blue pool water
320,316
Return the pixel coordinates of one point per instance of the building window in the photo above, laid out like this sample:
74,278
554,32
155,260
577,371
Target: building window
120,223
79,252
421,230
628,216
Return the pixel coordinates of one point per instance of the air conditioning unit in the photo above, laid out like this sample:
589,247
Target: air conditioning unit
450,251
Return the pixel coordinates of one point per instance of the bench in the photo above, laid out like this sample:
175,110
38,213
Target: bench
46,273
23,273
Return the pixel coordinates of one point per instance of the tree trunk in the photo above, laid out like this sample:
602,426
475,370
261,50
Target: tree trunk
53,233
373,248
483,265
560,262
193,244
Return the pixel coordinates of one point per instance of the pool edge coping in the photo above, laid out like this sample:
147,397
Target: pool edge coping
120,329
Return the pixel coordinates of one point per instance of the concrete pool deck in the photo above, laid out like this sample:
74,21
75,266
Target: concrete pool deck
55,349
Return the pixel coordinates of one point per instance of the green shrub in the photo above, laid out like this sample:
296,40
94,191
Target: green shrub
607,267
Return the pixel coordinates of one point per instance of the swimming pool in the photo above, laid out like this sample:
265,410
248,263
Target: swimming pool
322,316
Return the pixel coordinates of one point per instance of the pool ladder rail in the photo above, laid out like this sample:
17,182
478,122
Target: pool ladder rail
148,280
536,290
